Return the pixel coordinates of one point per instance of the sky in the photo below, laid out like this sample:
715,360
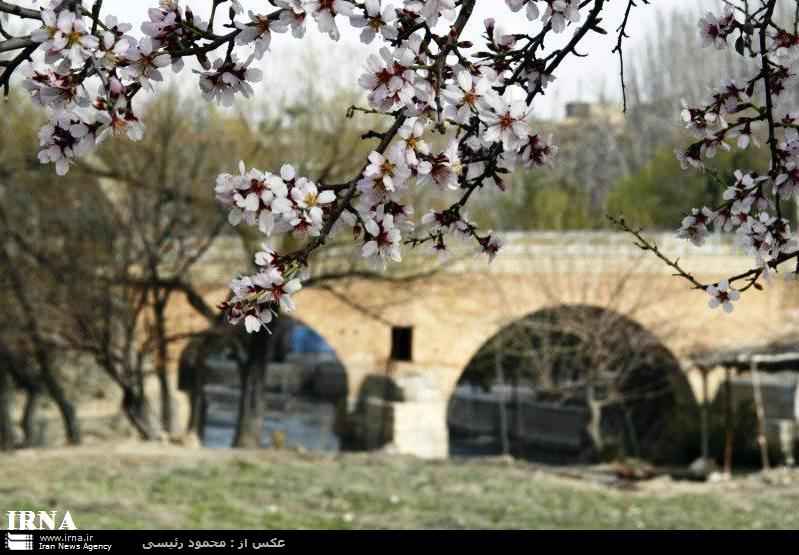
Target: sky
341,62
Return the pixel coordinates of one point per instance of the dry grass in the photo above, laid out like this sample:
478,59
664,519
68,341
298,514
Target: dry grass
134,485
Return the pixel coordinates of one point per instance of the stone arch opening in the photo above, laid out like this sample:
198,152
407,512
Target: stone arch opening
569,383
305,387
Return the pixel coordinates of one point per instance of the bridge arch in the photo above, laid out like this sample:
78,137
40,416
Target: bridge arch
304,391
453,312
567,382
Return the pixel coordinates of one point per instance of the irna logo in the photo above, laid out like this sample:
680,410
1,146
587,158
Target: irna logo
40,520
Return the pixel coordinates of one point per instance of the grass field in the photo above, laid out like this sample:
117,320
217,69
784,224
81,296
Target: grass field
133,485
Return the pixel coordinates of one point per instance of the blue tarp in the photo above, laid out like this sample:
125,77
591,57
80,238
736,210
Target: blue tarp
306,340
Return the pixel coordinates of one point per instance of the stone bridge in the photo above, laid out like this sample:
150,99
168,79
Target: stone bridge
420,332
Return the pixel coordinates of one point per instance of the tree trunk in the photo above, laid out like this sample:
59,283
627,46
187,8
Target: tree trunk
251,401
594,424
6,410
728,431
168,422
705,419
196,424
32,437
503,411
42,353
762,439
197,401
137,409
65,407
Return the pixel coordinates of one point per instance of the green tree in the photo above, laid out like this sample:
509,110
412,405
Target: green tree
657,196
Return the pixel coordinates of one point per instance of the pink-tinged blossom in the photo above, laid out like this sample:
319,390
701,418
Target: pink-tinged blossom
490,245
537,151
446,169
786,185
252,197
715,30
65,137
389,79
701,121
746,193
145,63
722,294
784,44
52,89
226,79
256,299
690,158
695,226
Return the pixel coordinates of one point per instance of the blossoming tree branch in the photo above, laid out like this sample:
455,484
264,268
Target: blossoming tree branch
85,67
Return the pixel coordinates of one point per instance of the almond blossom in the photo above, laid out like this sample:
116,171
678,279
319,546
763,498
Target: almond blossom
384,176
722,295
464,95
429,85
228,78
382,238
446,169
293,14
715,30
505,118
65,37
325,12
376,19
432,10
389,79
532,10
411,145
65,138
558,12
310,203
695,226
258,32
145,63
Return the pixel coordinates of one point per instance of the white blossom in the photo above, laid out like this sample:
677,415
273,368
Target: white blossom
376,19
325,12
505,118
558,12
464,95
64,36
532,7
382,238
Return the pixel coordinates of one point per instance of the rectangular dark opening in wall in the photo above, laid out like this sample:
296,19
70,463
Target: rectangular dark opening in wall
401,343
